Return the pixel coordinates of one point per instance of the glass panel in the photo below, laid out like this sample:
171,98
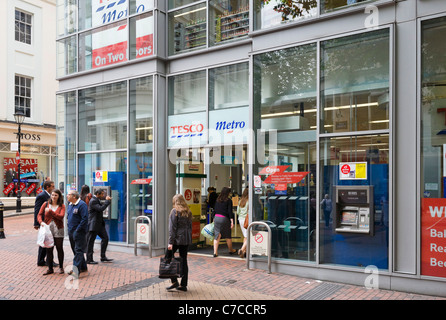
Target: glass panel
229,86
433,147
103,117
141,150
66,140
66,56
229,20
285,88
94,13
103,46
66,17
140,6
361,164
332,5
187,93
114,164
275,12
179,3
285,110
355,83
141,36
187,29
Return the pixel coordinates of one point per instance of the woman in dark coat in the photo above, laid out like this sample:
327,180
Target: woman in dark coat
180,237
223,220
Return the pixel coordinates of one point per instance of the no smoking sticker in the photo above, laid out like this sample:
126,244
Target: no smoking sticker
258,244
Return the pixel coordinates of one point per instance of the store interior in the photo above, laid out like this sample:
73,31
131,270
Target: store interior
200,170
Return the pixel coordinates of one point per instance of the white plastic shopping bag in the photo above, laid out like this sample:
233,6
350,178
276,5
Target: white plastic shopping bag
208,231
45,237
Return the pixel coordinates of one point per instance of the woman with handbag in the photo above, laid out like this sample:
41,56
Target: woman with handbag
180,237
52,213
223,221
242,214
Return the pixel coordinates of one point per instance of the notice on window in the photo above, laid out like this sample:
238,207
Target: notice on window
433,237
353,170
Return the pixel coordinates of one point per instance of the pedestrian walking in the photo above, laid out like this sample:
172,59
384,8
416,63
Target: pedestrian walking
52,213
223,221
242,213
77,218
85,194
180,237
96,225
48,187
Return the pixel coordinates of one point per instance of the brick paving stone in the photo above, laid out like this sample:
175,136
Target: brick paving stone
209,278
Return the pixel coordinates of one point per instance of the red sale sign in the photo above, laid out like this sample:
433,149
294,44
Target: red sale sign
433,237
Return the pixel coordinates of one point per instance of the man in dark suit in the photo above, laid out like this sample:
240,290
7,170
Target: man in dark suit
77,223
96,225
41,198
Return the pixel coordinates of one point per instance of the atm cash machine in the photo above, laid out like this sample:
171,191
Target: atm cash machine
354,210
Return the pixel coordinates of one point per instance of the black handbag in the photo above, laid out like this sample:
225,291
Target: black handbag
170,267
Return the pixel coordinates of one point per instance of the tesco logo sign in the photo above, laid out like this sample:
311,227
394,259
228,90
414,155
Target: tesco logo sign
187,130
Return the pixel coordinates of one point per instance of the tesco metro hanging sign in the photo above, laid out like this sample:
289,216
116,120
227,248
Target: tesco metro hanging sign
110,45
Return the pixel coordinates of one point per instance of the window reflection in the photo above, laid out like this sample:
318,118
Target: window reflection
141,150
355,83
103,117
187,29
331,5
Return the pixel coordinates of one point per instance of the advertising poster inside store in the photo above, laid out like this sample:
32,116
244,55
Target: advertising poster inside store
433,237
109,46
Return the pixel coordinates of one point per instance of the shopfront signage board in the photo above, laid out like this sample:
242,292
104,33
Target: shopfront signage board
433,237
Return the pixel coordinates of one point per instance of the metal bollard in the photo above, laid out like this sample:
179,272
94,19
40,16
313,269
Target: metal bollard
2,231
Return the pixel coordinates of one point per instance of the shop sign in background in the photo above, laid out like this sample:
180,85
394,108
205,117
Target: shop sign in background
110,45
433,237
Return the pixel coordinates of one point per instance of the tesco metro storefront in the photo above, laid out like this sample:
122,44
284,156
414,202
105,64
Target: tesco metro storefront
336,127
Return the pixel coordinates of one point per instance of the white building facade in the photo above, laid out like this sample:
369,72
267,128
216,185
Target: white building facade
27,84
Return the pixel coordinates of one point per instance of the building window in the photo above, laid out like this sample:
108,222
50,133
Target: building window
272,13
23,95
23,24
433,147
332,5
187,29
355,83
230,21
285,106
102,117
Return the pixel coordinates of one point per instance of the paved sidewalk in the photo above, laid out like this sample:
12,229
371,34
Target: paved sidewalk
132,277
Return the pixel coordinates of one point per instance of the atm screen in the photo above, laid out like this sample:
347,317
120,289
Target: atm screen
349,217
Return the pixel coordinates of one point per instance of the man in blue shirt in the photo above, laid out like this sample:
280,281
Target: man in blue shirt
77,216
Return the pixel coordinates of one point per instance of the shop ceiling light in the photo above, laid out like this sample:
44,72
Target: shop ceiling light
183,14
